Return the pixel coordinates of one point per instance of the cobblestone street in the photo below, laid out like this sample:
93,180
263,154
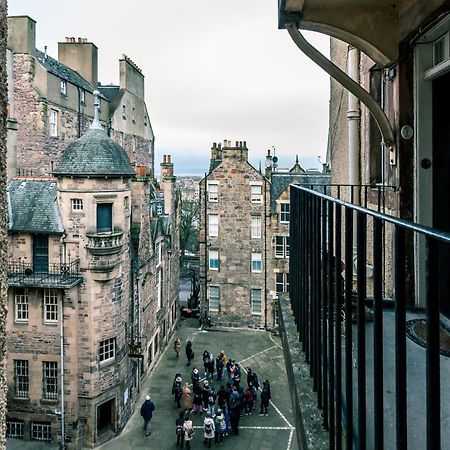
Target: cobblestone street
259,350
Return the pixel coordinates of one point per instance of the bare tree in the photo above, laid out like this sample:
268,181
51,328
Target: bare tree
189,225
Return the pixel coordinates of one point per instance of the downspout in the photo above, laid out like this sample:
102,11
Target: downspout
352,86
63,431
205,268
265,254
354,120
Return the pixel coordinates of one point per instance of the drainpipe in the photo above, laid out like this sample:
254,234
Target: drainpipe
354,119
63,443
265,254
351,85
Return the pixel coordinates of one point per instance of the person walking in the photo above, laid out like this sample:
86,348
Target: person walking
147,409
188,431
177,346
189,353
209,429
186,397
179,429
265,398
177,389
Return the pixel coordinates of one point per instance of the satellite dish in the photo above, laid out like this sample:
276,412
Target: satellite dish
275,159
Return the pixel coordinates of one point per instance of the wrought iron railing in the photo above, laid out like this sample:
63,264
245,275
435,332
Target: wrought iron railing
62,275
359,373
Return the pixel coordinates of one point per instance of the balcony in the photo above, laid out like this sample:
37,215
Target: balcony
105,243
370,315
58,276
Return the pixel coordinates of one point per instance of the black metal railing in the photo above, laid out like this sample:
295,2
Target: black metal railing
55,275
338,281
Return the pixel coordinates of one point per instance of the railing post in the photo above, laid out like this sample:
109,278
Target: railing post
361,231
400,340
348,325
433,376
324,303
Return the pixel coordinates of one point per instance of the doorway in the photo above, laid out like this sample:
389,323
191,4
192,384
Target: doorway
106,413
441,181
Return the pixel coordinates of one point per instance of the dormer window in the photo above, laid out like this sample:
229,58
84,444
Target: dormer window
64,88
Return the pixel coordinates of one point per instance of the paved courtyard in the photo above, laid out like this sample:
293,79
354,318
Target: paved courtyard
259,350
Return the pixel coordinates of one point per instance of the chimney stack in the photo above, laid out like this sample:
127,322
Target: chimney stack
168,183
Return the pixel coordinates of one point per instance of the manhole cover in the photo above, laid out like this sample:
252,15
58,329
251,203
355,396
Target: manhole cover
416,330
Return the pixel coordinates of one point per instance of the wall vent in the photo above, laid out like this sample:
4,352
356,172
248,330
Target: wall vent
441,49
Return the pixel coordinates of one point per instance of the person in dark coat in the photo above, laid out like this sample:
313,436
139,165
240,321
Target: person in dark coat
177,389
219,368
222,397
189,352
195,377
265,398
235,411
179,429
147,409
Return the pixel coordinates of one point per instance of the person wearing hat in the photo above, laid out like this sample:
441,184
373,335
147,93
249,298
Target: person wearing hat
147,409
220,425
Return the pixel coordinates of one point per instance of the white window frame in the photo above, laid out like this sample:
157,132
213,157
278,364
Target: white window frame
256,261
107,350
63,87
256,306
83,96
282,282
285,205
255,193
159,289
50,380
21,378
14,429
50,306
213,225
213,192
76,204
281,244
214,298
41,431
54,117
256,227
21,306
213,256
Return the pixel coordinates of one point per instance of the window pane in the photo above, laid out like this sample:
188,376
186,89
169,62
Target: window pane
50,376
214,259
213,224
256,301
214,298
255,193
104,217
285,212
50,305
21,378
256,227
21,305
256,262
107,349
279,247
213,192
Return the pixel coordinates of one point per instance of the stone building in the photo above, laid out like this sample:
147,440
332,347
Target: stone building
244,246
233,241
54,100
93,287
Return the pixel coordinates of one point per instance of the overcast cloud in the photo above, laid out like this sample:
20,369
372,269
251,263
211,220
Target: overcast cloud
214,70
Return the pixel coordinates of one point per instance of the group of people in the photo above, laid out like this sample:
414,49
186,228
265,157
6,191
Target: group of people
224,408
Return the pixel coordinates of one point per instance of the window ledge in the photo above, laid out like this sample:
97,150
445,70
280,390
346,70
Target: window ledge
49,401
107,363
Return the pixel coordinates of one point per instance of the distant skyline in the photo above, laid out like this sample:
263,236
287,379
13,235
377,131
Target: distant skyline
213,71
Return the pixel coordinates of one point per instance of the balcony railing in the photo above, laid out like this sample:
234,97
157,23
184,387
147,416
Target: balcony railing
377,389
56,275
105,243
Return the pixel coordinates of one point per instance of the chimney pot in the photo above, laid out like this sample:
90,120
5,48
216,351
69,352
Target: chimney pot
169,158
237,144
245,144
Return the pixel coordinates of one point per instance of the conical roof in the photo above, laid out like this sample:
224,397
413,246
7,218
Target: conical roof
94,154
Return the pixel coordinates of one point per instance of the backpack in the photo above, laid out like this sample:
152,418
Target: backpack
190,432
179,430
223,425
208,428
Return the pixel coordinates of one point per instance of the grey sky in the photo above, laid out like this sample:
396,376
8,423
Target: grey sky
214,70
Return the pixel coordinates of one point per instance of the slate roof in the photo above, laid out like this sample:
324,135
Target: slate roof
94,155
64,72
32,207
280,181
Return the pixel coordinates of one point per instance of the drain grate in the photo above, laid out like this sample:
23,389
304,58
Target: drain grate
416,330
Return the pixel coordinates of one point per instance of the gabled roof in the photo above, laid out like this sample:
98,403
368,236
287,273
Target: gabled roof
33,207
94,155
280,181
64,72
